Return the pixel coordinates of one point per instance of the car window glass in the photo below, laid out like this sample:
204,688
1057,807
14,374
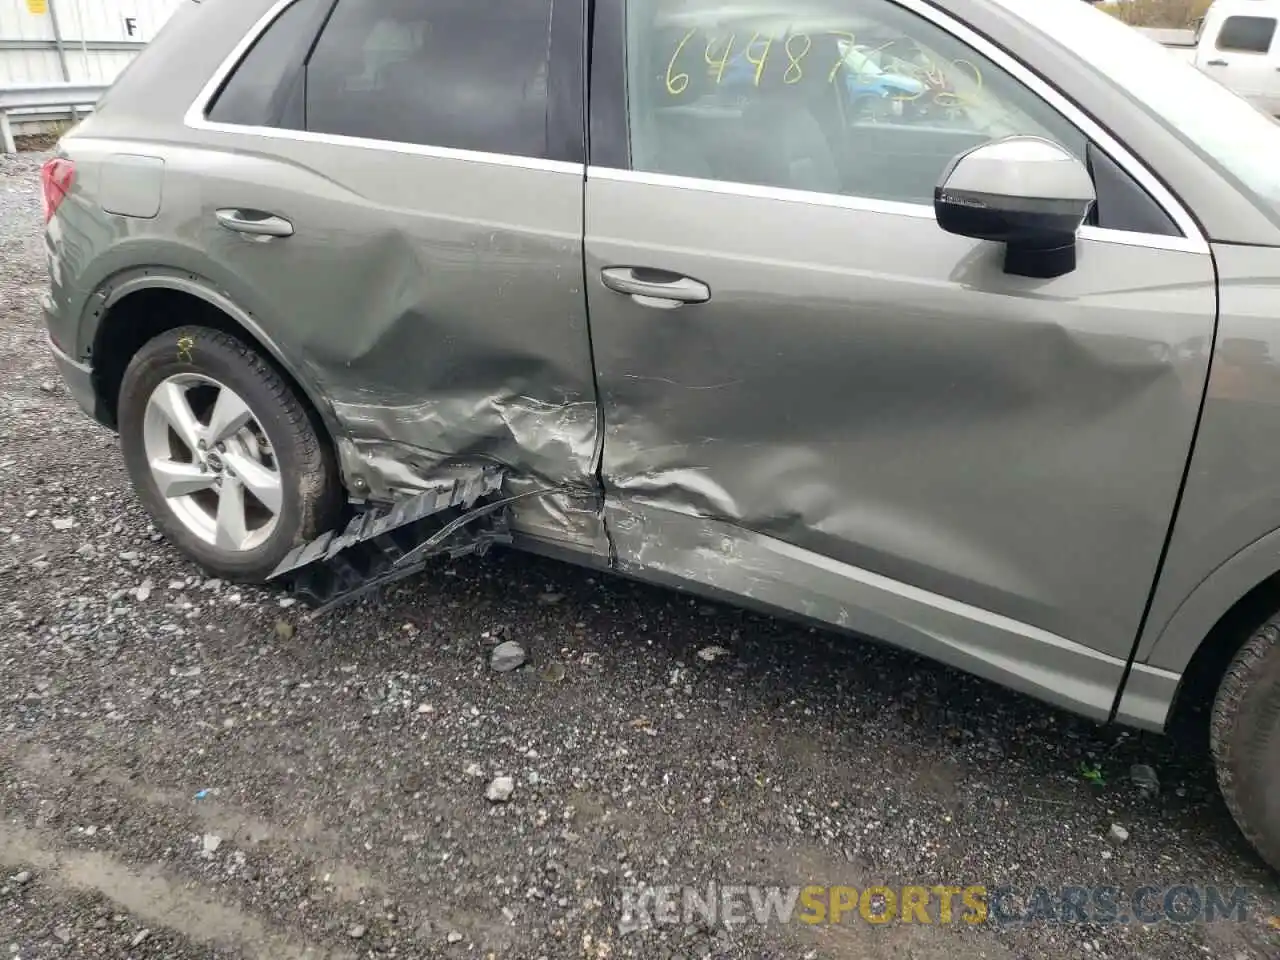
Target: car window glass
1247,34
466,74
258,92
854,97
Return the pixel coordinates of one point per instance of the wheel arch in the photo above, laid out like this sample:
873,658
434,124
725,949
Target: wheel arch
1213,622
132,308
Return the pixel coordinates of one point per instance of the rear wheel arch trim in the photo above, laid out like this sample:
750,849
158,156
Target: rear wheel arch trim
116,289
1193,622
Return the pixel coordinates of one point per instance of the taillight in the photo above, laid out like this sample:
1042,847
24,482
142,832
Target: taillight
56,177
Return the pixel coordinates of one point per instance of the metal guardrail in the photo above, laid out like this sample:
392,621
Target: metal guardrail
93,46
33,96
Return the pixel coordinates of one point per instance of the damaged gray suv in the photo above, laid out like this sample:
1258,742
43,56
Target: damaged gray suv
954,325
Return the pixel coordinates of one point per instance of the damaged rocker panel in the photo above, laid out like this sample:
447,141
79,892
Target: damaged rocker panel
379,547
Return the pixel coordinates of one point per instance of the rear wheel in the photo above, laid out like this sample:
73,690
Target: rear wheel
223,454
1245,739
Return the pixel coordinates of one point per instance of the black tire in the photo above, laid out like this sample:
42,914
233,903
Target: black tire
311,500
1244,736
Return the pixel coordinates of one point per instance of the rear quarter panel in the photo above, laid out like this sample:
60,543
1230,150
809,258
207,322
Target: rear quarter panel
140,115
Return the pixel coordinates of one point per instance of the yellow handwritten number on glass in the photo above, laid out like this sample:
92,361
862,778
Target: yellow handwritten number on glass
953,99
679,82
844,55
763,58
719,65
794,71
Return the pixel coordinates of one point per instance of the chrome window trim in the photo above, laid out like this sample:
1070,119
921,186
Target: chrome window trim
733,188
395,146
1155,241
196,119
919,211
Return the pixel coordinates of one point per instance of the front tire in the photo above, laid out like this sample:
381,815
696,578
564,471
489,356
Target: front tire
223,453
1244,737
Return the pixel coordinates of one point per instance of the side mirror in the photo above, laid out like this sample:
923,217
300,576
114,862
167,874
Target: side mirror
1025,192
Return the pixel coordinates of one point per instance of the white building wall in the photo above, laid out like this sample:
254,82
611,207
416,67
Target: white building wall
105,20
99,38
23,20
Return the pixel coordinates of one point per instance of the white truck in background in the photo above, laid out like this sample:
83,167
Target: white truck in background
1237,43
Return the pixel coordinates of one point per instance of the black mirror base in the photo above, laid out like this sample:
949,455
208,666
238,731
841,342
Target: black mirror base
1042,263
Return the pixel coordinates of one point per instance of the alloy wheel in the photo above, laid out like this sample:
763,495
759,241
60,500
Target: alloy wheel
212,462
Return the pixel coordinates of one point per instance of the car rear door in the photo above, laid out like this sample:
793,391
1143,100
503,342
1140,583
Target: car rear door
424,163
815,398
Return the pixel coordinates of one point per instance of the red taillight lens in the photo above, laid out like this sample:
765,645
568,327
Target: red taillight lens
56,178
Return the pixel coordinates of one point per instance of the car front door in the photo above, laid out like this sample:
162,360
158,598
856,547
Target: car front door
816,399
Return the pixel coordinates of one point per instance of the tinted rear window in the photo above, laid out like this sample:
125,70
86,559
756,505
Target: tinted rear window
467,74
1247,34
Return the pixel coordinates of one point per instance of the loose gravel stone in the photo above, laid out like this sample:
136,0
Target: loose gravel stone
1144,778
507,656
500,789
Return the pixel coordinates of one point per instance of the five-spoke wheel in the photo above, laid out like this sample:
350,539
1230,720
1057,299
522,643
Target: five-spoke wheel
223,453
212,461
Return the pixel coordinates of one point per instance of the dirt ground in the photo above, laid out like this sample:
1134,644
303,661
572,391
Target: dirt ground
189,769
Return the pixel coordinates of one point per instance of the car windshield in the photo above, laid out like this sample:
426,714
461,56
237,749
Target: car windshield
1223,127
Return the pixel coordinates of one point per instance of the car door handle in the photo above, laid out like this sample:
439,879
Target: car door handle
255,223
1217,63
655,285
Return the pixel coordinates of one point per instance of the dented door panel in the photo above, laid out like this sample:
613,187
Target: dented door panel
455,330
870,390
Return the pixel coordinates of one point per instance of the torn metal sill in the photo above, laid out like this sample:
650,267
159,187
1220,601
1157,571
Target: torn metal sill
381,547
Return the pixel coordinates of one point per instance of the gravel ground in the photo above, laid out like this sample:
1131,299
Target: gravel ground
191,770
